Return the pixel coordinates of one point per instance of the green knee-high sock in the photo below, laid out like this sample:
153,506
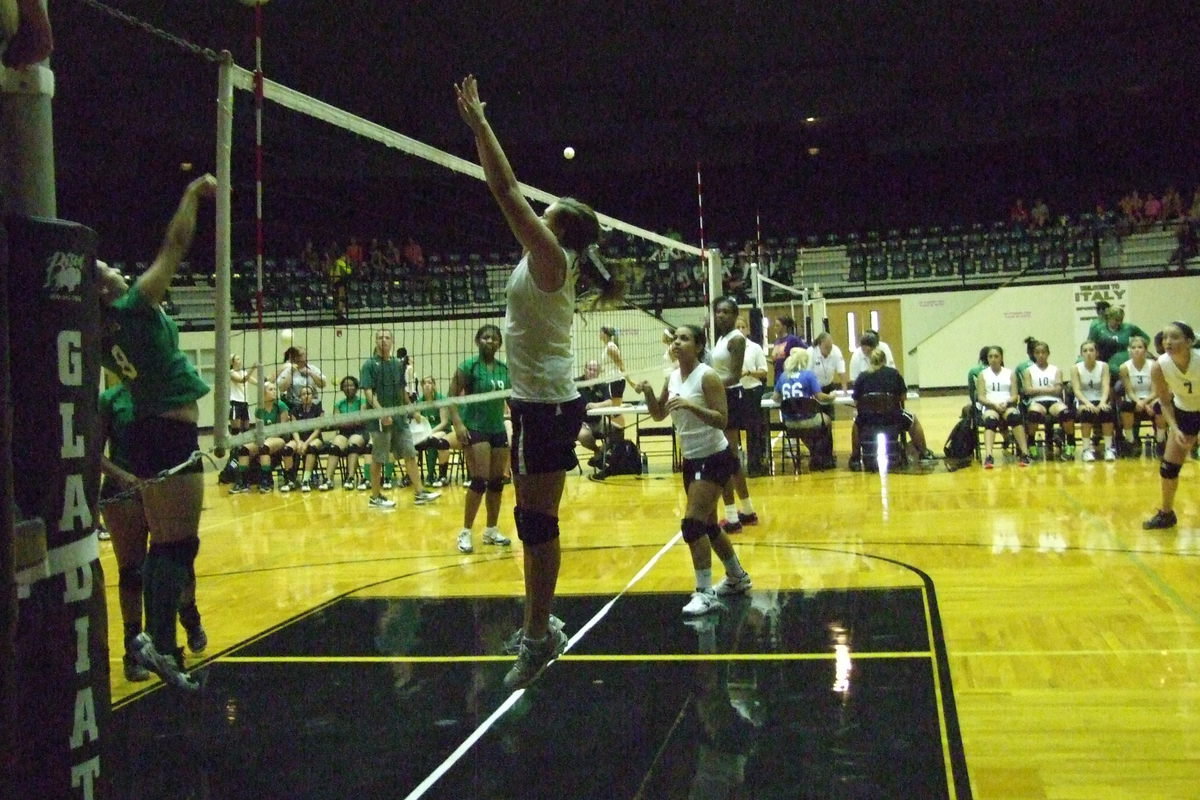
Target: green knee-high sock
165,575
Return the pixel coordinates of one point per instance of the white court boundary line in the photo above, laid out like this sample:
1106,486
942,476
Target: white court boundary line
483,728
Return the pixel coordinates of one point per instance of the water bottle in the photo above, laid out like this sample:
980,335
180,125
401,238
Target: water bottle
645,465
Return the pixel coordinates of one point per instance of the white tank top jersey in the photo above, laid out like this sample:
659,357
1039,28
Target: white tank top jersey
1184,384
719,357
998,385
697,440
1092,381
1041,382
1139,379
237,390
608,367
537,336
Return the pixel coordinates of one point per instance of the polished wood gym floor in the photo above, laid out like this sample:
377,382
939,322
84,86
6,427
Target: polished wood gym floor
1003,634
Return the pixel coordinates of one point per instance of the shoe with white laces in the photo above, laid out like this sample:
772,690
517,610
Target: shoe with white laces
1089,456
325,485
306,487
166,667
464,541
427,496
286,486
364,485
1110,454
512,645
387,483
703,602
731,585
533,658
494,536
379,501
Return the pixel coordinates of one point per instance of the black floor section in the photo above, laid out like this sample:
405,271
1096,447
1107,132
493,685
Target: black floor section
650,725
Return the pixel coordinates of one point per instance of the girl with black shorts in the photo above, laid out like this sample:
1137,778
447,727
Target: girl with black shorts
695,398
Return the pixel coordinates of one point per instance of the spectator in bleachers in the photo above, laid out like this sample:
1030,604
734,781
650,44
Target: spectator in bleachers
1018,214
354,254
1092,383
1187,243
414,256
783,329
1039,215
1151,211
1131,209
998,402
1172,204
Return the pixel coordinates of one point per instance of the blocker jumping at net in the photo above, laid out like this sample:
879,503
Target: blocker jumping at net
141,346
547,408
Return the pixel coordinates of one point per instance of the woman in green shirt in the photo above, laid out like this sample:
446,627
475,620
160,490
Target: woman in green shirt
480,428
141,346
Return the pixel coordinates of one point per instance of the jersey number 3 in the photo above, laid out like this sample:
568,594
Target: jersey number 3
128,370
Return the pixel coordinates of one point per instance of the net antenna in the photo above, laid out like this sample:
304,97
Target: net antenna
806,305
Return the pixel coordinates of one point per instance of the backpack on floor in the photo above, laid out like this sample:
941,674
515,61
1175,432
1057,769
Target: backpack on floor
624,459
960,444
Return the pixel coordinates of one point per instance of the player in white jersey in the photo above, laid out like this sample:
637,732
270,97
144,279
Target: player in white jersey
1042,387
695,398
996,390
1139,403
546,407
727,357
1176,377
1092,384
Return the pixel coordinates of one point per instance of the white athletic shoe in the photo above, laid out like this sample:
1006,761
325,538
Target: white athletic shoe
379,501
464,541
494,536
730,585
1089,456
1110,454
422,498
702,602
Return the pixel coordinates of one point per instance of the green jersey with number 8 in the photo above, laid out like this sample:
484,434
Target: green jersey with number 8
141,346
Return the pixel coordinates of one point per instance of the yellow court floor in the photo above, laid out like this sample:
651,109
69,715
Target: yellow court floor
1072,636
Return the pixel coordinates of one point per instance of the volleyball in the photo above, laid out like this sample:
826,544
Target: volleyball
285,336
568,153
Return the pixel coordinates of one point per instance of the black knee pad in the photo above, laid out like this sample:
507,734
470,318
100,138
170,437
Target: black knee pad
441,444
534,527
693,530
288,451
1066,415
130,578
991,423
1012,416
495,485
1168,470
241,451
477,485
1035,416
713,530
